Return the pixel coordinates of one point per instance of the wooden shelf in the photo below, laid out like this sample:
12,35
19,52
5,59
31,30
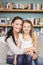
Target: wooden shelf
7,25
23,11
37,25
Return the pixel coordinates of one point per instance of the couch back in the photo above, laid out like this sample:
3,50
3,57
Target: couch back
3,52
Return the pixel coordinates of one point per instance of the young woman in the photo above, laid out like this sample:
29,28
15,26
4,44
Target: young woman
27,40
11,39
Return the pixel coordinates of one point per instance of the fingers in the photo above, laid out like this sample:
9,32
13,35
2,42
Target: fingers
34,56
15,62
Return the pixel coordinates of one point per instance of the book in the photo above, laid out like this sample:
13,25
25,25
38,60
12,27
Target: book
41,21
1,7
36,21
3,31
41,31
38,6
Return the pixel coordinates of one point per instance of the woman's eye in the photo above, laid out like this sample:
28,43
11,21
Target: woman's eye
17,24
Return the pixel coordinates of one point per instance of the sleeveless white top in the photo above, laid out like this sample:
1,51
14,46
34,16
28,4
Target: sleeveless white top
24,43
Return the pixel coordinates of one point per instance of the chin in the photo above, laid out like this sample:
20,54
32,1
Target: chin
18,31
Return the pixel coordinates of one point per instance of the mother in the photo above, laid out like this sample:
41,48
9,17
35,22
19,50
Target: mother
11,39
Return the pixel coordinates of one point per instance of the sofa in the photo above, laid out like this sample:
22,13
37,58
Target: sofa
4,49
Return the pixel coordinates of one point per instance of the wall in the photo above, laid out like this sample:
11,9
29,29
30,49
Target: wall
23,15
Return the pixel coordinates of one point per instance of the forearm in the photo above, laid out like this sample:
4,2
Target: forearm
15,57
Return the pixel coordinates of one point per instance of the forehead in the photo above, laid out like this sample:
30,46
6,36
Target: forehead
26,24
18,21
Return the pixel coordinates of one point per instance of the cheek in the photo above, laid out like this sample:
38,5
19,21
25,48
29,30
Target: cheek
29,29
14,27
20,27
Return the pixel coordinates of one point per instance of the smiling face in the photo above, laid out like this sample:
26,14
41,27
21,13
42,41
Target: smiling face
26,27
17,25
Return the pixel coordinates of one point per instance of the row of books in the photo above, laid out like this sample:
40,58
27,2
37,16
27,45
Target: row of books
35,21
5,20
3,31
31,6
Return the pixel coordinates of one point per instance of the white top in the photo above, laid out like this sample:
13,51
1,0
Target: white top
24,43
13,49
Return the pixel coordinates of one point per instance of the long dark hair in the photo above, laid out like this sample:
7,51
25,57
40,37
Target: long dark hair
10,32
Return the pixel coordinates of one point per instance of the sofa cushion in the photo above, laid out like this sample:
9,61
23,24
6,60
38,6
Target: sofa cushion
3,52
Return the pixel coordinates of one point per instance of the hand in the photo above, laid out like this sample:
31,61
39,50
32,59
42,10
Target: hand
30,53
34,50
34,56
15,62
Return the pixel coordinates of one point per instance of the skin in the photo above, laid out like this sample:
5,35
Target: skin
17,25
26,30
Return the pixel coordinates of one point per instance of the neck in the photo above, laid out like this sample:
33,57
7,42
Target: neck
15,34
26,37
26,34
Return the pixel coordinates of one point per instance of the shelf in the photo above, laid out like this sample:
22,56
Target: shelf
7,25
23,11
37,25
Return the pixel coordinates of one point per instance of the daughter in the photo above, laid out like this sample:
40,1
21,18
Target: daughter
26,40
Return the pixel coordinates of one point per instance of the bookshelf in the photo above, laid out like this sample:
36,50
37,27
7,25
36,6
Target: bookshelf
6,25
21,11
18,9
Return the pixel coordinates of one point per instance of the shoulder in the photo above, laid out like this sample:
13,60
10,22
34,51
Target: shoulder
9,39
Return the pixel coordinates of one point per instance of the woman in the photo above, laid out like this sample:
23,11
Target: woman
11,39
27,40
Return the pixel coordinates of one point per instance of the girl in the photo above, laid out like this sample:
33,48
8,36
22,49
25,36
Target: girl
27,40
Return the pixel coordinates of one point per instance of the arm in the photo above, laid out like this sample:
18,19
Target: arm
11,45
15,56
15,59
14,48
35,48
